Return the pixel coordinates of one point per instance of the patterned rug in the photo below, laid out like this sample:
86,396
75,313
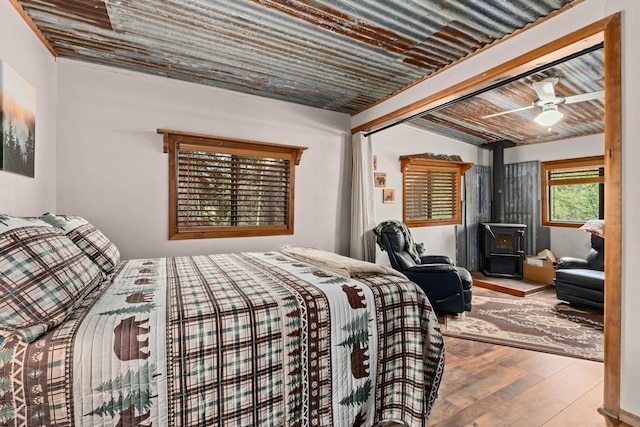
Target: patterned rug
531,324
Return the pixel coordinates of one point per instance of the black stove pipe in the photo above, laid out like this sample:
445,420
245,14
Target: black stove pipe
497,208
498,196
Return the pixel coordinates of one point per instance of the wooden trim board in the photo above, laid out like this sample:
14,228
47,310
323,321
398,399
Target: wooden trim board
519,288
33,27
629,418
612,213
571,43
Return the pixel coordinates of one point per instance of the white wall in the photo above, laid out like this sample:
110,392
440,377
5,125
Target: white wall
400,140
111,168
577,17
24,53
591,145
564,241
388,145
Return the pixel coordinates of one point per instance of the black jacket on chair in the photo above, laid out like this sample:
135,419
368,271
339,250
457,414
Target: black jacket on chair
448,287
581,281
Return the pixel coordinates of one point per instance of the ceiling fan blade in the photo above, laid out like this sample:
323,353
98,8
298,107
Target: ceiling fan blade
584,97
507,112
544,88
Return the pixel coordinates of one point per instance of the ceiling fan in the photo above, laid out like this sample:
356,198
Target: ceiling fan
549,101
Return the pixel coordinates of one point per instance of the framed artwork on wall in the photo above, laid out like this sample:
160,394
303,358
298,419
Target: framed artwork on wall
17,123
380,179
388,195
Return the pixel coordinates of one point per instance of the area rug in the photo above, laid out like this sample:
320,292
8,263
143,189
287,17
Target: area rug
531,324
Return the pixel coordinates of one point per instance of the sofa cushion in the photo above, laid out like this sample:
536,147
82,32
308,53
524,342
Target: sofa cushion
405,262
567,262
396,238
435,259
595,258
580,296
582,277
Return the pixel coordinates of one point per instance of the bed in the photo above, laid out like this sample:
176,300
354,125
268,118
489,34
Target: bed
295,337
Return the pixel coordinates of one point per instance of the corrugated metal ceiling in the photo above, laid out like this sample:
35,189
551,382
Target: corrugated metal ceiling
463,120
340,55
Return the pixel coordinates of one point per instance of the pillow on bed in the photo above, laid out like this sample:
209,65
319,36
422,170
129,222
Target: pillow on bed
88,238
44,276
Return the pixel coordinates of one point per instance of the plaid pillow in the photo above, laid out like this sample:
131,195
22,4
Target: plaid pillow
43,277
88,238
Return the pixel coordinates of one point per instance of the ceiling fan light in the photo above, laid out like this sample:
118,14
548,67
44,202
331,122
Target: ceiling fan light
549,116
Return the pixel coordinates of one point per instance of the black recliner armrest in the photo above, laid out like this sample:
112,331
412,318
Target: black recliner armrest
435,259
441,283
571,262
433,268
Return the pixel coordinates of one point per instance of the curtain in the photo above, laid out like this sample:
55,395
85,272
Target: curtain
362,207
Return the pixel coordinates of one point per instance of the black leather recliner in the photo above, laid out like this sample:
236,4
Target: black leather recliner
448,287
581,281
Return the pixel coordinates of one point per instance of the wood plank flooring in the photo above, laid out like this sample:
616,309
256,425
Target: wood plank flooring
486,385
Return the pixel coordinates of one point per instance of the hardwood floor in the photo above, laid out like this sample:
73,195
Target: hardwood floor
486,385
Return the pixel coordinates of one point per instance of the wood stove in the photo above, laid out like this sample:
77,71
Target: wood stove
502,249
502,244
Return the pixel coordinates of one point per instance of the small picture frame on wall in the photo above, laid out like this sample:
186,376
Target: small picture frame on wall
380,179
388,195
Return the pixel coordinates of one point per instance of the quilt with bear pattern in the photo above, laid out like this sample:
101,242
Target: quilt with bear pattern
245,339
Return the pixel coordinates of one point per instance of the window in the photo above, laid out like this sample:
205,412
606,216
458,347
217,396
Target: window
431,191
220,187
573,191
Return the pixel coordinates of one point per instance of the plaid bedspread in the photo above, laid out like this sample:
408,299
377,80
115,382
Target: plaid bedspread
249,339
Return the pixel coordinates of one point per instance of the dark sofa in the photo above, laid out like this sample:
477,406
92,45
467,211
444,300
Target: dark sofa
581,281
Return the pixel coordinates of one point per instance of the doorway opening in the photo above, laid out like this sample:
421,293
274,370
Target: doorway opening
606,31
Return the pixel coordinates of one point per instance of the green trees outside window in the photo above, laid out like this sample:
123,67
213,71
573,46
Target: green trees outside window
573,191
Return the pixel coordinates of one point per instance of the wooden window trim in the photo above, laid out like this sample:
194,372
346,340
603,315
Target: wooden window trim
545,167
198,142
459,168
